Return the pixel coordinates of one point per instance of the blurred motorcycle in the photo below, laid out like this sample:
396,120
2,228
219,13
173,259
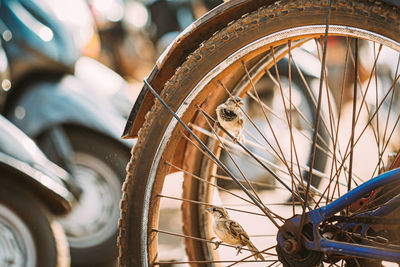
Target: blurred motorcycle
32,191
42,94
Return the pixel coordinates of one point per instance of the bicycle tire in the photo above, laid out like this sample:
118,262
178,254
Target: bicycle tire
139,212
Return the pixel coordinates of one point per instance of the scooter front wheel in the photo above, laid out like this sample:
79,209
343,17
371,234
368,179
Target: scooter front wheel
92,226
29,236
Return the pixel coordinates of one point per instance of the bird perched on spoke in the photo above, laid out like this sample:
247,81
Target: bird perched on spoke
230,117
231,232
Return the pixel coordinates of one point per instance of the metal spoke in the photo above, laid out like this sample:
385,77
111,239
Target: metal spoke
269,186
312,97
272,264
283,158
372,116
301,115
364,94
259,205
318,115
269,204
259,157
203,240
298,190
315,190
207,117
290,128
353,117
328,153
335,141
391,100
211,205
384,143
325,150
287,116
331,118
333,131
376,103
343,165
385,146
390,135
160,263
208,182
254,125
347,153
245,258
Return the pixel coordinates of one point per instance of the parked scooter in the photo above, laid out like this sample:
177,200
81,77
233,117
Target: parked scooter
32,190
75,129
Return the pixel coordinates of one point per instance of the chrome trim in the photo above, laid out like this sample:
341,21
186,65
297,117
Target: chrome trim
39,177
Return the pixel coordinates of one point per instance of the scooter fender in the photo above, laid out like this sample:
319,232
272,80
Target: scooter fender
65,101
186,43
108,84
23,162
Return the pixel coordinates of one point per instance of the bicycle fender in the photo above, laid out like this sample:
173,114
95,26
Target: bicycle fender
23,162
66,101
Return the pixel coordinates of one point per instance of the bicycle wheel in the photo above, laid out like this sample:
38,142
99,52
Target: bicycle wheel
359,114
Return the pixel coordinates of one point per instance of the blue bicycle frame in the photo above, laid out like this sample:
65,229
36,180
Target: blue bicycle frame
322,244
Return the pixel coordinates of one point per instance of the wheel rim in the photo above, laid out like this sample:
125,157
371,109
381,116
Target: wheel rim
17,247
94,219
259,44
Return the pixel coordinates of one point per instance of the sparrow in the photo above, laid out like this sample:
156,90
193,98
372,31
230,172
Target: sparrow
230,117
231,232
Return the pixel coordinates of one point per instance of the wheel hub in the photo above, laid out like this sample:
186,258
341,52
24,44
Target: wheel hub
290,251
93,220
17,247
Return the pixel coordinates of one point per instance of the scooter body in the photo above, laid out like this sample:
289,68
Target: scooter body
30,168
32,191
43,91
76,128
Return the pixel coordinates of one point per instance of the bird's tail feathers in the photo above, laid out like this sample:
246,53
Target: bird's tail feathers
254,250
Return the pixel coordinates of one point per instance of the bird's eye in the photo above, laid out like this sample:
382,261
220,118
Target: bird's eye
214,209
